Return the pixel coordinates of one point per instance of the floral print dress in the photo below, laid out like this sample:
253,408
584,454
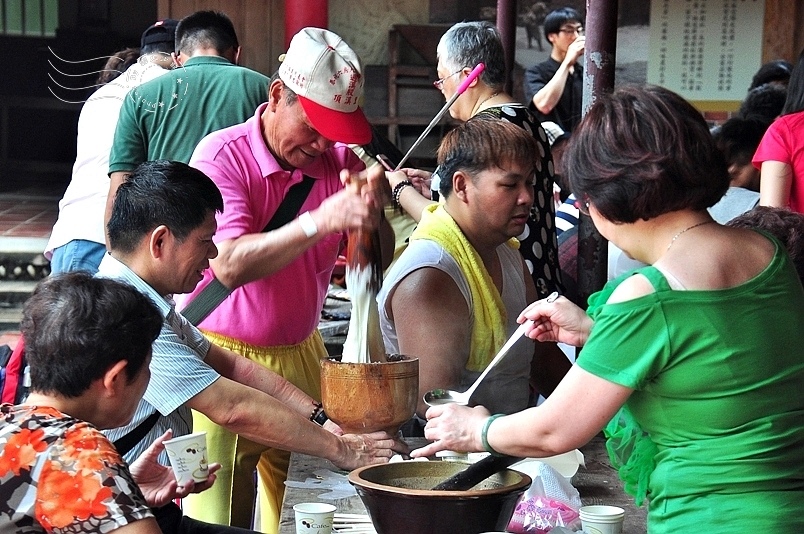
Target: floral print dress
60,474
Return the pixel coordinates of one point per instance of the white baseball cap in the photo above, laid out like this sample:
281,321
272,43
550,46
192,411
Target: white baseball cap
327,76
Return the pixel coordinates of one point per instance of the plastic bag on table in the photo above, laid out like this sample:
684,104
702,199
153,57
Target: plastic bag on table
551,501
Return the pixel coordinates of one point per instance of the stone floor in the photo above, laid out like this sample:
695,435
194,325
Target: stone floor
27,218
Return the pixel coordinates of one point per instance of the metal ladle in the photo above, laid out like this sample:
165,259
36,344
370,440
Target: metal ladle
437,397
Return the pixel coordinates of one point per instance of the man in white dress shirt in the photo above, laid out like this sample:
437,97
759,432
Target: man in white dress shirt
160,238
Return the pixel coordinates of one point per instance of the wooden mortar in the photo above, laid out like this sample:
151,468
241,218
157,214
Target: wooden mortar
366,397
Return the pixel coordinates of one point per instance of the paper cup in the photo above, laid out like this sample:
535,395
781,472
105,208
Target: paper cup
188,457
314,517
601,519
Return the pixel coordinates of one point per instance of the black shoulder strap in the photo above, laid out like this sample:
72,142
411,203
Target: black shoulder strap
291,204
214,293
127,442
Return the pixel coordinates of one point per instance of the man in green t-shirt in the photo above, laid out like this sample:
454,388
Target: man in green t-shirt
207,91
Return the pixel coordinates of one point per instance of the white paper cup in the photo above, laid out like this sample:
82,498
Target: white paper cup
314,517
188,457
601,519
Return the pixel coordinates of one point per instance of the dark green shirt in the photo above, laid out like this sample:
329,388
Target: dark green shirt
167,117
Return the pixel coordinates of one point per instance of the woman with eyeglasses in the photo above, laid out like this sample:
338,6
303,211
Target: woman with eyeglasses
694,361
460,49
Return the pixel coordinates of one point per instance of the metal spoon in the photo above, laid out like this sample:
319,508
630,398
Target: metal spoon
437,397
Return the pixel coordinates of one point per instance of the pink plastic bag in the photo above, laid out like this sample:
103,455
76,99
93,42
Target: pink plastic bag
539,515
551,501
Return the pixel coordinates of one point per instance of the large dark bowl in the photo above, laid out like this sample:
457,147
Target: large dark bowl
399,501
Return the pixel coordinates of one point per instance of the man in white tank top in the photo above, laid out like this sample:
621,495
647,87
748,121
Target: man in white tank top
454,295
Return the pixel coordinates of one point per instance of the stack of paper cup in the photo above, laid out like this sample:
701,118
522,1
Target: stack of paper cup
314,517
601,519
188,457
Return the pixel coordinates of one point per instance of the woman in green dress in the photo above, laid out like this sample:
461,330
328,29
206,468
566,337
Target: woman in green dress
695,360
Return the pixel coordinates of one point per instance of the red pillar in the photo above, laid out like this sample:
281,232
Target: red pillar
303,13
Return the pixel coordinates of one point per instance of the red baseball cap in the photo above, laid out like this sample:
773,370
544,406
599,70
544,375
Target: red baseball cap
327,76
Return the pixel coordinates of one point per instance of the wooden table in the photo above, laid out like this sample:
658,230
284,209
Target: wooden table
597,483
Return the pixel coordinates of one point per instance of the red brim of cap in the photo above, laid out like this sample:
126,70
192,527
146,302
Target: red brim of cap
352,128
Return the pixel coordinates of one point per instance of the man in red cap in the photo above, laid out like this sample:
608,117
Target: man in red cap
279,276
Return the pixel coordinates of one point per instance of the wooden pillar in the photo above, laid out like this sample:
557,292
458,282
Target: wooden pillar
782,33
598,78
506,23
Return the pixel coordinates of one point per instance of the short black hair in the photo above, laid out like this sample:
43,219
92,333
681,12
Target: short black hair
205,29
777,70
161,192
76,327
643,151
738,139
765,102
556,19
158,48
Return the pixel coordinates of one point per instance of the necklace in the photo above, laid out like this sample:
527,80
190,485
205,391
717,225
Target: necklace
487,99
687,229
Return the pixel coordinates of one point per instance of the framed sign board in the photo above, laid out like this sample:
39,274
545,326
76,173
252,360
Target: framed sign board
706,50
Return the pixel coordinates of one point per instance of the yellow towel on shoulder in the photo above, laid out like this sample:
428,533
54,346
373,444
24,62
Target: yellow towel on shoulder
490,317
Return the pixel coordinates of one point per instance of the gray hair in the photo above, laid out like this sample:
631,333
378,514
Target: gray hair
468,43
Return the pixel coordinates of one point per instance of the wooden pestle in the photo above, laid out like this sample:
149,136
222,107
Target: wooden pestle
363,252
364,255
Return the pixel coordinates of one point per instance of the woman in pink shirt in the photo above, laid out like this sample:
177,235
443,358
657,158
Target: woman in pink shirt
780,155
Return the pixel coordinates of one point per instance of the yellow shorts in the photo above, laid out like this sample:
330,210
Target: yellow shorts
230,501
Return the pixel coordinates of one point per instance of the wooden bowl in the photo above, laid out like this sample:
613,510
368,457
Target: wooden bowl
366,397
399,501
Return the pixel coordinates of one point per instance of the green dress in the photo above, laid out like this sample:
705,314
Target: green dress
717,378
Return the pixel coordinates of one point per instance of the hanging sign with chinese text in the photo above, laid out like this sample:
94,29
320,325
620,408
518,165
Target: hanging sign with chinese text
705,50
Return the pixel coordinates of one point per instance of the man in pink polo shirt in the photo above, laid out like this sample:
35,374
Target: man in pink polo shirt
280,277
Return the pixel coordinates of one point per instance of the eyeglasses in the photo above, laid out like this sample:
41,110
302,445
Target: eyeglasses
439,84
578,30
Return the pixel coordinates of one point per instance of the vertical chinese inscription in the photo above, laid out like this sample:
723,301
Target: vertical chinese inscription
693,44
664,25
727,38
